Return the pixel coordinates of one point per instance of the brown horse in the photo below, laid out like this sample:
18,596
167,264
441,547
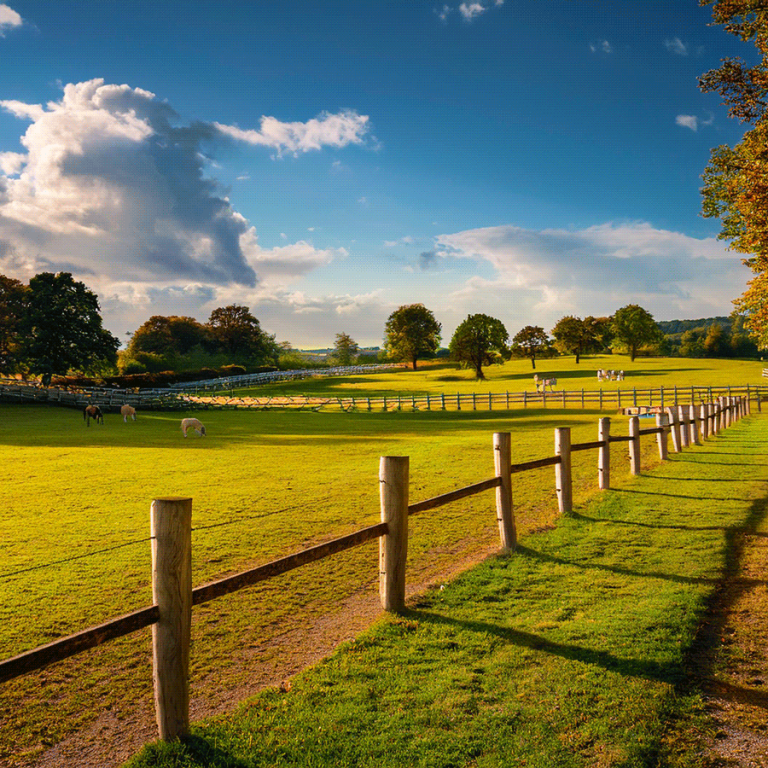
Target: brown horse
92,412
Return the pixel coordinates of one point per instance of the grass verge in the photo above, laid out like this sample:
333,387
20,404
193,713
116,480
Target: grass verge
575,651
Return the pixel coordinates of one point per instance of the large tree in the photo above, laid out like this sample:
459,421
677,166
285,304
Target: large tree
579,337
62,328
480,340
531,341
12,294
736,179
235,330
412,331
168,336
634,327
345,349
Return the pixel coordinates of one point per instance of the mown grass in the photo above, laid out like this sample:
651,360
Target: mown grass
264,484
433,377
574,651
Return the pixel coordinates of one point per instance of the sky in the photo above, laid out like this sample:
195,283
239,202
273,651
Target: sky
326,162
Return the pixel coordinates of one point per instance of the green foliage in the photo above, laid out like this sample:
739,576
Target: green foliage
412,332
736,180
62,329
532,341
345,350
479,340
580,337
634,327
234,330
12,298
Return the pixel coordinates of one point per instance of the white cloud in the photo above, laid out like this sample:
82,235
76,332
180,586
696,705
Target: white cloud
470,10
8,19
601,45
688,121
327,130
112,187
676,45
549,273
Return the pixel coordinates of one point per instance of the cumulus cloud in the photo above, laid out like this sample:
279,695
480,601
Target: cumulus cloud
595,270
8,19
326,130
688,121
468,11
427,259
677,46
112,185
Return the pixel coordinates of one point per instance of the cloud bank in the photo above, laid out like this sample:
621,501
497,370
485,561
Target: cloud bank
8,19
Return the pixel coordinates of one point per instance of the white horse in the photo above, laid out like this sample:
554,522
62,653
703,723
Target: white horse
195,424
126,411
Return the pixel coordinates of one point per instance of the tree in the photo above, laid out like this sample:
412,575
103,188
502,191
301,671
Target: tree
62,328
412,331
717,342
235,330
633,327
532,340
345,350
168,336
579,337
12,295
480,340
736,180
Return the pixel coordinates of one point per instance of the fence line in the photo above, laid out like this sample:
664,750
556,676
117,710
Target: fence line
173,595
646,400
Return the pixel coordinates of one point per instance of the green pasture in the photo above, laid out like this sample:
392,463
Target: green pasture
582,649
76,500
432,377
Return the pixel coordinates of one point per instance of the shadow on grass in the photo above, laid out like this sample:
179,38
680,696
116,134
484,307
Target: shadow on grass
650,670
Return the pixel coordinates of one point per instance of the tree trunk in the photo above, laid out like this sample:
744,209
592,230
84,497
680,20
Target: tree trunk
414,363
533,362
577,358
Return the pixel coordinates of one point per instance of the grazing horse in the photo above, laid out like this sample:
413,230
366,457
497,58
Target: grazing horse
195,424
126,411
551,383
92,412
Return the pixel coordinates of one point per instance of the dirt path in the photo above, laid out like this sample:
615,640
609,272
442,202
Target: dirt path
730,660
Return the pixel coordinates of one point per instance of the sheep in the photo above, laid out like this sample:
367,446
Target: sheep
92,412
126,411
195,424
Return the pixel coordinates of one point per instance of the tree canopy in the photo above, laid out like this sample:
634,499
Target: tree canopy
480,340
12,296
736,180
62,328
531,341
634,327
579,337
345,350
235,330
411,332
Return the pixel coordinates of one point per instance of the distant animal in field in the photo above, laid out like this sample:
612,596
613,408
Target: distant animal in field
195,424
92,412
126,411
542,384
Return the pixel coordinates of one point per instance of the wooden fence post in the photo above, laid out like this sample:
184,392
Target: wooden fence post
694,425
674,422
662,421
393,546
563,480
684,432
604,454
704,417
502,459
634,445
171,525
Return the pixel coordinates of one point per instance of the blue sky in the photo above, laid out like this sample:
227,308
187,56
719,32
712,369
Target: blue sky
326,162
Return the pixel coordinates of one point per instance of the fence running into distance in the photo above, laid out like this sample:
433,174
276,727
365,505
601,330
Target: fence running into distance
171,534
174,399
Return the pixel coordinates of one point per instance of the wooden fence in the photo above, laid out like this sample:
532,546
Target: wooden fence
171,537
175,399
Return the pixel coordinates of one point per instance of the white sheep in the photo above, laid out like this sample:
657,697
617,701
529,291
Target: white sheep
126,411
195,424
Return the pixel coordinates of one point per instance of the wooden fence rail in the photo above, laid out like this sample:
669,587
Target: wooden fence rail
174,597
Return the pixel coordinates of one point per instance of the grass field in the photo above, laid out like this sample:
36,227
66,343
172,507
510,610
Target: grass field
264,484
432,377
576,651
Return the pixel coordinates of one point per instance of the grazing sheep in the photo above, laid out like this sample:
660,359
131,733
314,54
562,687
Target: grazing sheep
126,411
195,424
92,412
